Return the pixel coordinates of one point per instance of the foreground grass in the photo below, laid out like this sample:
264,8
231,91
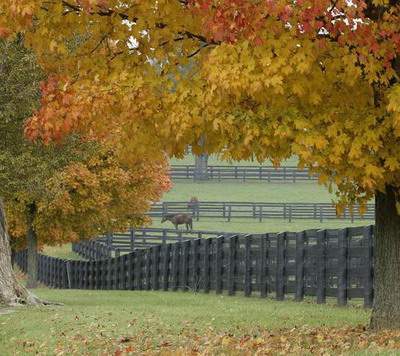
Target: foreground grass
97,322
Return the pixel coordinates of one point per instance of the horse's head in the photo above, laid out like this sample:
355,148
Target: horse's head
165,217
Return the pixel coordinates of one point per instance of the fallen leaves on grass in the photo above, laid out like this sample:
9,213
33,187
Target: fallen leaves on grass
296,341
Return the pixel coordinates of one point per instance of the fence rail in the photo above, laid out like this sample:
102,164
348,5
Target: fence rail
259,210
114,244
290,174
321,263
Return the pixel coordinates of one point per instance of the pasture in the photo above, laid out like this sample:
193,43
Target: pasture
101,322
138,322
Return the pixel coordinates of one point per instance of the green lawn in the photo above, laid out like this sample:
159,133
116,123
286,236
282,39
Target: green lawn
249,192
63,251
93,322
256,227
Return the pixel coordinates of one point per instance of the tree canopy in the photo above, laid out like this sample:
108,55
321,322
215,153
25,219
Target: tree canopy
76,189
264,79
267,79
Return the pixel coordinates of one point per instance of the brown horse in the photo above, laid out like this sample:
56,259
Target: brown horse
179,219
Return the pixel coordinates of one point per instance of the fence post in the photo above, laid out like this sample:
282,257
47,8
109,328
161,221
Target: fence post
195,244
321,266
280,266
109,239
290,213
132,235
321,215
233,242
368,281
263,266
247,266
156,267
148,254
109,273
103,273
342,267
261,213
175,265
206,265
131,277
122,272
164,208
185,265
218,264
299,296
138,269
166,252
229,212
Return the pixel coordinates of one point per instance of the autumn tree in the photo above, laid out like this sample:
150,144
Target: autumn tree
66,192
267,79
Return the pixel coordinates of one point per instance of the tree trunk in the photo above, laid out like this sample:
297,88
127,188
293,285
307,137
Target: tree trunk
386,308
32,254
11,292
201,167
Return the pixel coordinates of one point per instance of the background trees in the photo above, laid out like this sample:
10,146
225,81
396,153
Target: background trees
314,78
61,193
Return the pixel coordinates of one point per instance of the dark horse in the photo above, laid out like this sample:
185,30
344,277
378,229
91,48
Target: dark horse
179,219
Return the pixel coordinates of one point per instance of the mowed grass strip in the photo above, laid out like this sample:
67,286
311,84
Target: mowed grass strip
95,322
253,226
308,192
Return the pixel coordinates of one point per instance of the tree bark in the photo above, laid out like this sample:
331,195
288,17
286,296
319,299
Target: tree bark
201,167
11,291
386,308
32,247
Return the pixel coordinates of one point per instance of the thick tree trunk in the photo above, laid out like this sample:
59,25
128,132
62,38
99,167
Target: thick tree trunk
32,254
386,309
11,292
201,167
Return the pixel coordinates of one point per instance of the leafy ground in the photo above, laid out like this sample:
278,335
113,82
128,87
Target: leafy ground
103,321
127,322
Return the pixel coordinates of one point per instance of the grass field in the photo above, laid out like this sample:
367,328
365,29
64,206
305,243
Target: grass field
249,192
95,322
255,192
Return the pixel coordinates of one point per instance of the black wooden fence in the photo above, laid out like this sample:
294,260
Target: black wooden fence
259,210
321,263
290,174
114,244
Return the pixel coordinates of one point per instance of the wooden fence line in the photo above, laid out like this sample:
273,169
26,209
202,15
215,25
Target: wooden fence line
114,244
259,210
322,263
290,174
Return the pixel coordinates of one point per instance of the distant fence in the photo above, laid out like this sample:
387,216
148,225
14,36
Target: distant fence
114,244
259,211
323,263
290,174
